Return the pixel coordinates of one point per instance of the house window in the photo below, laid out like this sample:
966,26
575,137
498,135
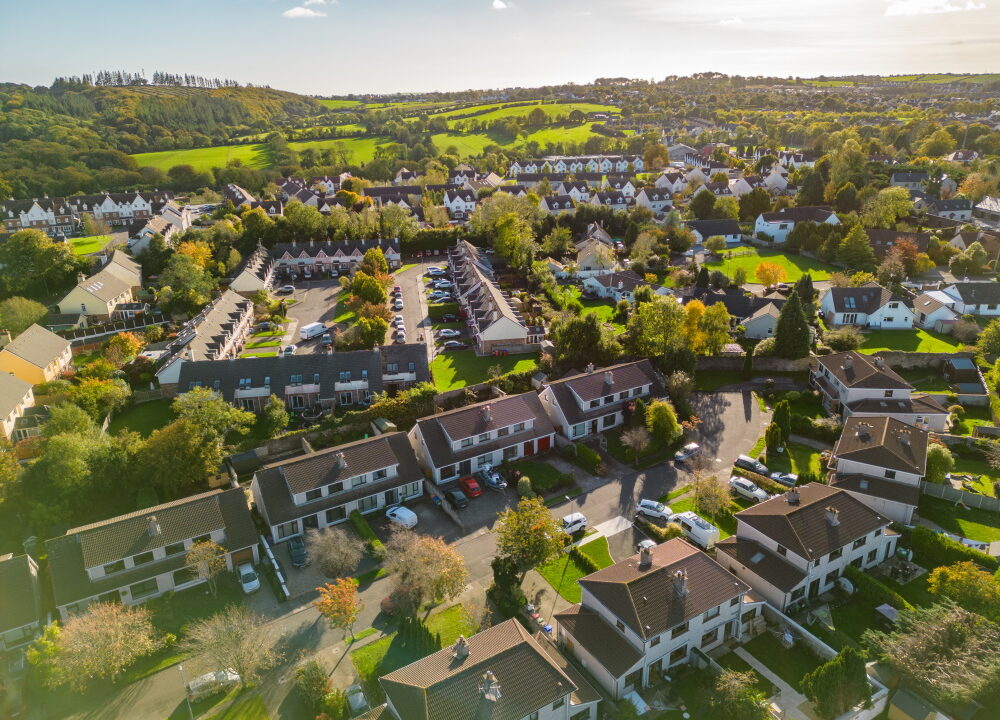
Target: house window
710,637
636,392
202,538
558,704
608,399
831,577
447,471
410,490
620,625
142,558
579,430
174,549
392,367
295,380
678,655
288,529
871,556
380,474
595,403
143,589
734,602
466,442
858,543
878,531
483,437
890,474
836,554
798,593
678,631
622,395
335,515
503,432
888,393
346,398
358,481
519,427
713,613
116,566
334,488
509,453
654,642
314,494
368,503
484,460
345,376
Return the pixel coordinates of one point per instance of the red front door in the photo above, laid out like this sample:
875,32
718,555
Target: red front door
529,447
543,444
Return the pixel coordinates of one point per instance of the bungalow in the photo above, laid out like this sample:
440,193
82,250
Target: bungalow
651,612
740,305
132,558
513,189
20,601
323,488
35,356
704,229
989,241
658,201
405,176
16,396
146,230
956,208
584,404
914,180
988,209
777,225
882,241
463,441
762,323
619,285
460,203
869,305
933,311
556,204
795,547
881,461
963,156
100,295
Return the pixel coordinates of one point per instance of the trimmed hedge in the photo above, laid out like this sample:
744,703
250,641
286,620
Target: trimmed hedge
375,546
762,481
657,533
935,550
874,591
588,458
585,560
815,429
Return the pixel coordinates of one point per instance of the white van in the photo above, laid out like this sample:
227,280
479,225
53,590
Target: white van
697,529
308,332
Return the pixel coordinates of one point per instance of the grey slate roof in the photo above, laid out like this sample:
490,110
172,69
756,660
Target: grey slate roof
864,299
978,293
884,442
627,280
599,639
762,562
593,385
12,392
738,304
37,346
19,599
816,214
709,228
878,487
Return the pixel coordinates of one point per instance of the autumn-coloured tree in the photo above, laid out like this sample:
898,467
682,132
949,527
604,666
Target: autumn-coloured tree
711,494
529,534
970,587
207,559
197,250
769,273
122,348
338,602
427,566
236,638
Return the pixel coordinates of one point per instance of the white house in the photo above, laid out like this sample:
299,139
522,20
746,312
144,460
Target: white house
795,547
460,203
579,191
619,285
777,225
657,200
746,184
672,181
975,298
933,311
593,258
914,180
615,199
557,204
20,600
777,179
956,208
869,305
762,323
624,184
702,230
16,396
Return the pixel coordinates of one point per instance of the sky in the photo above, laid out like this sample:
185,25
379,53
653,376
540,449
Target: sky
336,47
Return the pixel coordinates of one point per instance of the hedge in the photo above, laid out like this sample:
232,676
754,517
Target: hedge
762,481
874,591
583,559
815,429
659,534
935,550
375,546
436,311
588,458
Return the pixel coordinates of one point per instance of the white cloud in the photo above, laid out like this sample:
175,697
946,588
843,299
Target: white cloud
499,5
314,2
929,7
731,21
302,12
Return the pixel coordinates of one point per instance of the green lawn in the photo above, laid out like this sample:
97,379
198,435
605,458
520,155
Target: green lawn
87,245
253,155
975,415
452,370
249,707
598,551
393,652
795,266
915,340
259,353
724,520
143,418
543,476
926,380
973,524
337,104
789,664
563,571
263,343
796,458
520,111
344,314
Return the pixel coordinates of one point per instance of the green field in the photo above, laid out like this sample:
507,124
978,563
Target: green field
335,104
452,370
915,340
143,418
87,245
940,79
552,109
795,266
254,156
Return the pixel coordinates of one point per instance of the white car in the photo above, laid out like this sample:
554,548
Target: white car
397,304
574,523
746,489
653,509
398,321
687,452
356,699
249,579
286,290
443,284
439,295
401,516
289,350
211,683
449,333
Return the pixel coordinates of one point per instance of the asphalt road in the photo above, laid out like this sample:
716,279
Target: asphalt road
317,302
415,319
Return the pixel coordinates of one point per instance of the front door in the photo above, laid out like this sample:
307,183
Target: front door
390,496
529,448
633,680
655,670
465,467
543,444
813,588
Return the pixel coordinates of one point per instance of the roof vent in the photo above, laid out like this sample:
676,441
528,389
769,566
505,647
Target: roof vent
154,529
460,650
832,516
681,582
489,688
863,484
792,496
645,559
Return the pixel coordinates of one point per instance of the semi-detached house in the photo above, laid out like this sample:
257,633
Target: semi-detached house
642,616
20,601
322,488
141,555
37,355
794,547
463,441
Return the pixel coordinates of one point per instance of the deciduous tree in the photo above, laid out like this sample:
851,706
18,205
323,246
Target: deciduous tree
17,314
236,638
339,603
939,463
711,494
636,439
211,415
206,559
969,586
702,203
528,534
769,273
122,348
274,417
736,697
661,421
335,551
428,566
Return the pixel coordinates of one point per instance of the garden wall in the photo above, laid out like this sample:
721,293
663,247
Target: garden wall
899,360
973,500
760,364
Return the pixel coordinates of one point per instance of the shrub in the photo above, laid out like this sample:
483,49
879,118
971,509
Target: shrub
364,530
659,534
846,338
874,591
825,429
583,559
524,488
765,348
313,685
588,458
838,685
934,550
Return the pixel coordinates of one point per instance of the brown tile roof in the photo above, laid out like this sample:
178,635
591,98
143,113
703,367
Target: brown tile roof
922,404
37,346
803,527
878,487
645,599
599,639
442,687
593,385
926,304
856,370
382,712
585,692
884,442
762,562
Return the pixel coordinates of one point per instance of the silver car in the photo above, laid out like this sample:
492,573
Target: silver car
746,489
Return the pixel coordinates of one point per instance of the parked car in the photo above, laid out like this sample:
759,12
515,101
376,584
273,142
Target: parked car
397,290
449,333
439,296
456,498
574,523
297,552
646,544
653,509
442,284
687,452
327,340
697,529
401,516
249,580
400,338
435,271
209,684
454,345
356,699
746,489
789,479
492,478
289,350
398,321
748,463
398,304
470,486
449,317
285,290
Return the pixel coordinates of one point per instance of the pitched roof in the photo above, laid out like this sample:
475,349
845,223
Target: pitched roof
12,392
816,214
978,293
884,442
928,303
710,228
738,304
601,640
909,177
646,599
865,299
37,346
762,562
882,241
920,404
627,280
857,370
802,526
592,385
878,487
444,687
18,592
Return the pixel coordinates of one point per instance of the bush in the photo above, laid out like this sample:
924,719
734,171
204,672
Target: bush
874,591
765,348
375,546
825,429
934,550
588,458
659,534
524,488
846,338
585,560
313,685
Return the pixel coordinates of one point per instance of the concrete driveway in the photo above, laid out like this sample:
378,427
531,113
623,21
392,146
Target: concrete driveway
317,302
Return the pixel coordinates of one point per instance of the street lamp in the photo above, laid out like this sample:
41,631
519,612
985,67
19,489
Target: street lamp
187,698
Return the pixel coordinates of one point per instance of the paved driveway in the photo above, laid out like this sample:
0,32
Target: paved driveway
317,302
415,319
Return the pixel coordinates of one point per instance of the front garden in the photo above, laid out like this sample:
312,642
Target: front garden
915,340
461,368
562,572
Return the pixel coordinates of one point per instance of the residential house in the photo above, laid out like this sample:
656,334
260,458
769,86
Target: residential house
100,295
719,189
762,323
147,230
54,216
679,152
576,189
16,396
641,617
796,546
460,203
672,181
323,488
216,333
583,404
776,179
746,184
913,180
619,285
988,209
740,305
659,201
556,204
501,672
295,260
20,601
933,311
956,208
255,273
141,555
276,208
463,441
793,159
179,216
777,225
852,383
702,230
595,231
990,242
35,356
974,298
962,156
513,189
624,184
404,176
881,460
406,196
326,380
869,305
237,195
594,258
615,199
882,241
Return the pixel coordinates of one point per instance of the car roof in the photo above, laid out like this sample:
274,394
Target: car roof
573,517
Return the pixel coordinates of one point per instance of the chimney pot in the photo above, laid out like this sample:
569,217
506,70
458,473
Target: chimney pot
341,460
645,558
609,378
681,582
792,496
833,516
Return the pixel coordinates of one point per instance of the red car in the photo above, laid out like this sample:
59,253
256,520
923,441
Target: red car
470,486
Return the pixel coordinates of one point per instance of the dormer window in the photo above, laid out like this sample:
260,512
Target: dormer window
595,403
519,427
466,442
